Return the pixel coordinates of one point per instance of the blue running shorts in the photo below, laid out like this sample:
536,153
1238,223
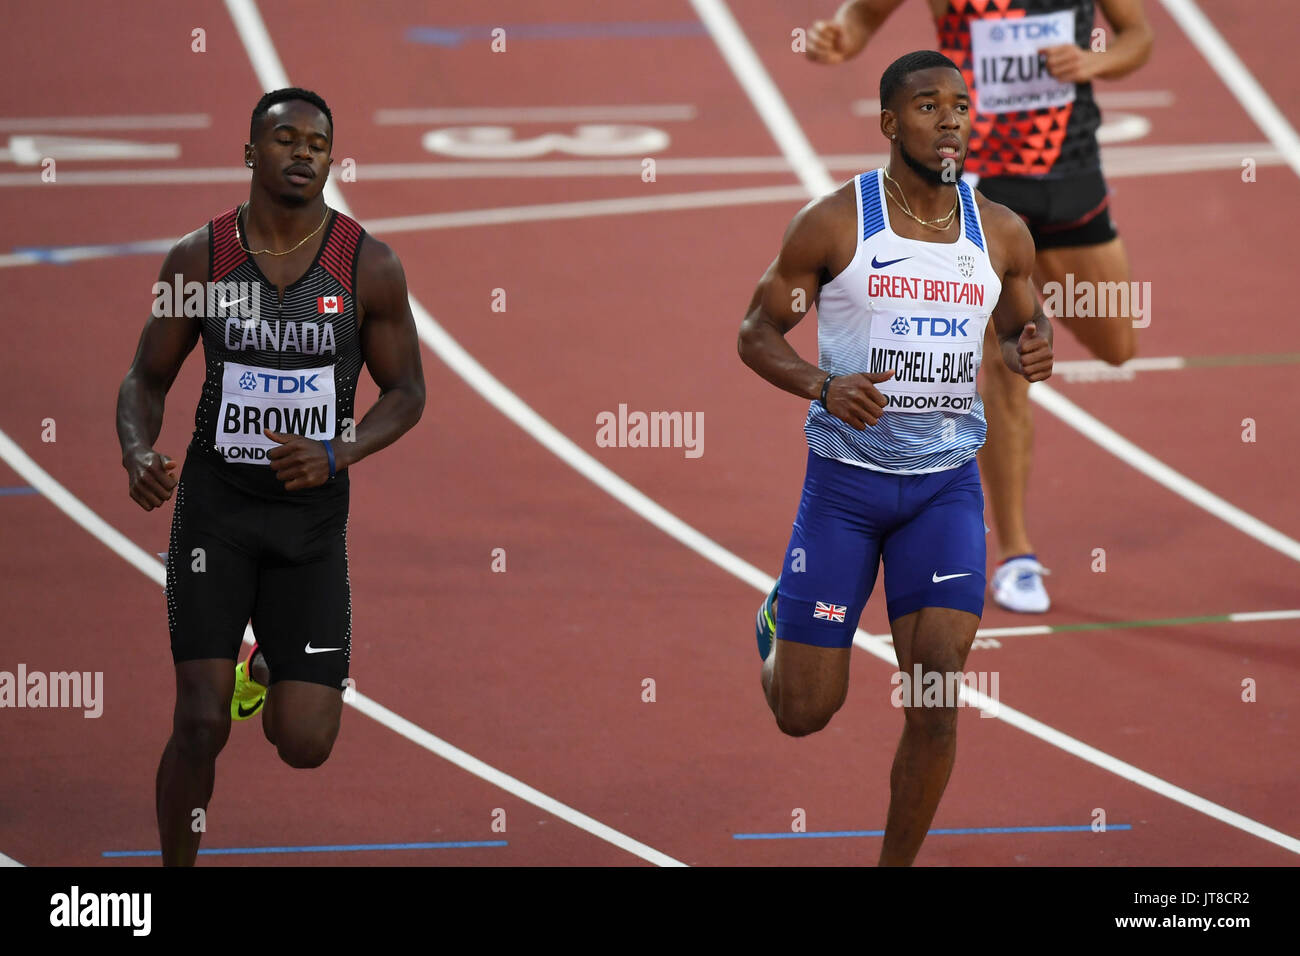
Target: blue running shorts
929,529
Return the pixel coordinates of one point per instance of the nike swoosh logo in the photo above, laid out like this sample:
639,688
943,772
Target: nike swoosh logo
226,305
937,579
252,710
880,265
320,650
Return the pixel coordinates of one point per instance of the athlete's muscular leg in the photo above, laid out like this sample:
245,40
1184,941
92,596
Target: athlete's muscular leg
938,639
805,685
302,720
187,772
1113,338
1004,460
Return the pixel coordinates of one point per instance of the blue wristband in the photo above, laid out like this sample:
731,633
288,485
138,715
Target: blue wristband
329,453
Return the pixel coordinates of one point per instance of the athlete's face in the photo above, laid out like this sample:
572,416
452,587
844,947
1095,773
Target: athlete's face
291,156
930,122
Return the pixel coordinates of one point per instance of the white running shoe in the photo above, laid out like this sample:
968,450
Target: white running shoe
1018,585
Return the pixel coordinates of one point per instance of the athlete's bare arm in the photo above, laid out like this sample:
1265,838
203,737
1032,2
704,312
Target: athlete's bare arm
164,345
391,351
1023,331
818,245
1126,50
846,34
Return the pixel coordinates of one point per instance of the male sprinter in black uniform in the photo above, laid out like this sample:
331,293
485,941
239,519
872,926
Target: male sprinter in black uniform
297,298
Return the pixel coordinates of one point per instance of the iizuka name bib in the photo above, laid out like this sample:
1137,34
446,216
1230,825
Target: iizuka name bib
1010,71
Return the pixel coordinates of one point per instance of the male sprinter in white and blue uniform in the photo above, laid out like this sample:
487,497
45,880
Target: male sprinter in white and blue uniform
907,265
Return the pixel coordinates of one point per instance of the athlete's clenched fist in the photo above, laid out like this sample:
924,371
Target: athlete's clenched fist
151,477
856,400
834,41
1035,352
297,461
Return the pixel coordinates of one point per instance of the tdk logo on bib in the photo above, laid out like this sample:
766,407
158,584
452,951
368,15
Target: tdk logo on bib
256,400
1030,30
931,326
275,383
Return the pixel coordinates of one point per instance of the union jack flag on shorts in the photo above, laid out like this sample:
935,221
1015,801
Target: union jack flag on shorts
830,612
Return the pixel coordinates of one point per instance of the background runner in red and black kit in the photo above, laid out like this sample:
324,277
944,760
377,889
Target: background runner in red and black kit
1029,65
256,557
1043,162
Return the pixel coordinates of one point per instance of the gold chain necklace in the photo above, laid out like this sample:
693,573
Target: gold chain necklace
902,204
240,236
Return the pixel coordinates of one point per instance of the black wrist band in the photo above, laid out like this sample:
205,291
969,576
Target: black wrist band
825,385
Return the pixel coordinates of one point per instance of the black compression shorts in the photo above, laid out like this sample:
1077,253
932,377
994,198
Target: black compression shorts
1072,211
280,562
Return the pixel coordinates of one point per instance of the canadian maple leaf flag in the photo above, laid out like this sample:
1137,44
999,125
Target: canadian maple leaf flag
327,305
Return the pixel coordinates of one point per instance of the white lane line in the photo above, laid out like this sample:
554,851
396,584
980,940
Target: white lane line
194,175
69,504
1181,159
665,167
1158,471
1072,745
764,95
54,124
1029,631
1125,770
1106,99
1224,61
151,567
587,208
1265,615
1039,629
1095,370
8,861
452,220
1120,162
628,112
34,150
795,145
1133,99
513,785
271,74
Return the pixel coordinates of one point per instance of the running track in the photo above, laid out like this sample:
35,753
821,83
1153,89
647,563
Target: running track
538,671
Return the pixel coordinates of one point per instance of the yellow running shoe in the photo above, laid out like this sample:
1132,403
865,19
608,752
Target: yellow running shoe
249,694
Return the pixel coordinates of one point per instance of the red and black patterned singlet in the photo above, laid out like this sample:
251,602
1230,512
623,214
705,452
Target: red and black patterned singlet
994,43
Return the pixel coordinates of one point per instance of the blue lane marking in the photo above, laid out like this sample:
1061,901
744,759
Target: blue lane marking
830,834
61,255
339,848
455,36
18,490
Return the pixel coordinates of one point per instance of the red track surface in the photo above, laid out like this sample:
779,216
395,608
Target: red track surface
538,671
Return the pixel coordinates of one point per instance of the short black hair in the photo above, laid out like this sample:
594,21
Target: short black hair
896,74
281,96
